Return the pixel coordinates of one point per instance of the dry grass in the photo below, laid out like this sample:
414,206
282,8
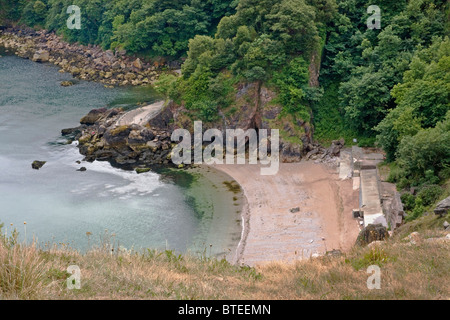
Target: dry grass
407,272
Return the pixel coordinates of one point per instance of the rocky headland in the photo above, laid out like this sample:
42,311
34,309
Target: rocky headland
102,136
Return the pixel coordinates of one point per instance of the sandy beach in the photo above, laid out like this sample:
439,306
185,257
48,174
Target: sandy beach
302,210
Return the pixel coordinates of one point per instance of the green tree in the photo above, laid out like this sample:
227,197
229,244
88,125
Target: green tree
399,123
428,150
426,85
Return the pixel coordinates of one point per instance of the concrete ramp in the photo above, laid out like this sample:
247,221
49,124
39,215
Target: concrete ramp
345,165
141,116
370,198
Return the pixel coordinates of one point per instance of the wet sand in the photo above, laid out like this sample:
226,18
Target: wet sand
275,231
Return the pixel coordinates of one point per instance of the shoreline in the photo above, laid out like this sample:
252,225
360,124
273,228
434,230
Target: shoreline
84,62
226,207
303,212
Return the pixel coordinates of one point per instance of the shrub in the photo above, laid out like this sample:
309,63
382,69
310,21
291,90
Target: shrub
428,150
418,210
207,110
408,201
167,85
429,194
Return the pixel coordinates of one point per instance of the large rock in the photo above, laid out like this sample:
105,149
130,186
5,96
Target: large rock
41,56
442,207
118,136
138,64
93,116
130,76
66,83
38,164
373,232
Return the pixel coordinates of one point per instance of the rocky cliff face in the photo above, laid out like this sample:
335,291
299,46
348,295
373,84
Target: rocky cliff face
254,107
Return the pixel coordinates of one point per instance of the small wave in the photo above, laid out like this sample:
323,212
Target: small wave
133,184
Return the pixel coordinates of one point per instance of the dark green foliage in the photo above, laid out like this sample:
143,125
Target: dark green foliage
152,27
415,206
428,150
34,13
399,122
395,83
265,42
293,84
426,85
429,194
408,201
371,62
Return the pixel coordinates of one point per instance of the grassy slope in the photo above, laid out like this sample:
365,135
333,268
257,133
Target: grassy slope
407,272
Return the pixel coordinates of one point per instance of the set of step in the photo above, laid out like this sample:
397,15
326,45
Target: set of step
362,168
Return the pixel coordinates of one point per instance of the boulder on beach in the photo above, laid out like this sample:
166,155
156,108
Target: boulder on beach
41,56
38,164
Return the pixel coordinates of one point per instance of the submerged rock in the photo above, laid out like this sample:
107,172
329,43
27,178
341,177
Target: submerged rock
142,170
67,83
38,164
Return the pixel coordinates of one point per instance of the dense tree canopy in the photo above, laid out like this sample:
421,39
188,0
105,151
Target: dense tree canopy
152,27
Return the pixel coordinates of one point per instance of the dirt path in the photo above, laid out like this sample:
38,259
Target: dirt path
141,115
275,230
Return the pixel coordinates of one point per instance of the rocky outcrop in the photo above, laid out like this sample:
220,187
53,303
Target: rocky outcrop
125,146
373,232
38,164
442,207
67,83
84,62
318,153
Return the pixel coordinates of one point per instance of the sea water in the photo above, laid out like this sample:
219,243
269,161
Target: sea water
181,211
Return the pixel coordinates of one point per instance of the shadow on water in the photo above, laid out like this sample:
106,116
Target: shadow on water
179,177
134,97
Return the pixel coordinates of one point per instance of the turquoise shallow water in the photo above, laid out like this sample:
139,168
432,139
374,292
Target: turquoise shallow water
60,204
